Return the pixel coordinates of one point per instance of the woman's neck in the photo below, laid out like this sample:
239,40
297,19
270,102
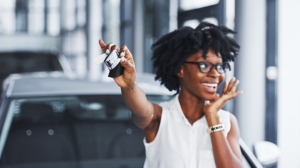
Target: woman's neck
191,106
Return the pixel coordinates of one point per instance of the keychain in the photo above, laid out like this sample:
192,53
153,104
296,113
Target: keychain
112,61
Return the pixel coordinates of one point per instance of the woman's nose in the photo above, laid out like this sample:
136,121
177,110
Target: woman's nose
214,72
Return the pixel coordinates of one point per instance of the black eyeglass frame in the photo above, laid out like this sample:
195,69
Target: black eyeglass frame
223,64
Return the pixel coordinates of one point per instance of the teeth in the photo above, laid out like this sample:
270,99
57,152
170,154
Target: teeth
210,84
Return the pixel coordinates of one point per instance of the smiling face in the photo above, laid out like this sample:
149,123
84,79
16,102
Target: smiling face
202,85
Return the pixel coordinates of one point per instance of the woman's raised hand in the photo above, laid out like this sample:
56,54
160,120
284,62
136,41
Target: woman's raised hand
127,79
229,92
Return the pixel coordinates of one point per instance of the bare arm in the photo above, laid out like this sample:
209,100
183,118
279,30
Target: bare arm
226,152
143,111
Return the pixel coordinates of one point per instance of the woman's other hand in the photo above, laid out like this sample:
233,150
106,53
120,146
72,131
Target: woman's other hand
127,79
229,92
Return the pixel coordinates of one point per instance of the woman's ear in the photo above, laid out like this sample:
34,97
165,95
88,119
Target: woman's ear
180,73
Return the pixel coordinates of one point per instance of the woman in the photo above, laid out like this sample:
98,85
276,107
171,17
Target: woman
186,131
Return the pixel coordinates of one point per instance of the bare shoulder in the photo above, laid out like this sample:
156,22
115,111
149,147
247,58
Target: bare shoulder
156,112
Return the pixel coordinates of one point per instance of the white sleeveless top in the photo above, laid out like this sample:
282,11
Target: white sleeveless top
178,144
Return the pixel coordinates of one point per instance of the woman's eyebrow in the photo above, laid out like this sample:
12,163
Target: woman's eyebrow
200,56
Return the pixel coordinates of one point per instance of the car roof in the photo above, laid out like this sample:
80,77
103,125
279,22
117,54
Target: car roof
58,83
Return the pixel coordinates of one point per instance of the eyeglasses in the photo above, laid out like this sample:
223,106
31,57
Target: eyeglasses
206,67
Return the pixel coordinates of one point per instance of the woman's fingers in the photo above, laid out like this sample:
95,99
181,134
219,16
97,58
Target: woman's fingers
126,59
115,47
224,88
129,67
230,84
108,48
102,45
230,92
233,88
124,52
237,93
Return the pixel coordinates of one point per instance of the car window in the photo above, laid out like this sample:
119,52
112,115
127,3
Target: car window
20,62
72,131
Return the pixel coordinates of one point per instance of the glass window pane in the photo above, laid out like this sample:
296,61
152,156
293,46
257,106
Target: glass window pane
53,17
81,13
7,16
194,4
36,18
69,19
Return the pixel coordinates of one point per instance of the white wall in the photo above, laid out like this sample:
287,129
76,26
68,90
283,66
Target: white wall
288,83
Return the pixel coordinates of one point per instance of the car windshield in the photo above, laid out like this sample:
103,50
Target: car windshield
72,131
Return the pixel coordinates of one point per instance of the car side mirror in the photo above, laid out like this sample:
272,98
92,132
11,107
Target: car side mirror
267,153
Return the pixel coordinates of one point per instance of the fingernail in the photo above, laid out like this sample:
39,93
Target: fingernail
233,78
107,51
122,54
122,59
238,81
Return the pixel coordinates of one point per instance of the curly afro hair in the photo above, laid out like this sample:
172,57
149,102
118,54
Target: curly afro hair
172,49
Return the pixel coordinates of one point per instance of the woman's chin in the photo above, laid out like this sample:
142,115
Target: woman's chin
209,97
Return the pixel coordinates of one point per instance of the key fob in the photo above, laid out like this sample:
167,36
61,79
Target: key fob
112,61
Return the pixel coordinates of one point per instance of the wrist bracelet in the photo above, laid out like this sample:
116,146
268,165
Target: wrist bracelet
215,128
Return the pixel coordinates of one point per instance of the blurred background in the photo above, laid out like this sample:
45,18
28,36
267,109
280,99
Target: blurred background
62,35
